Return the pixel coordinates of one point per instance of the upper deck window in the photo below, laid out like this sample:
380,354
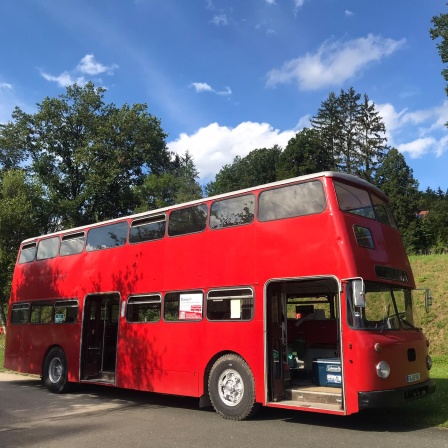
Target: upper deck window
232,212
358,202
187,220
105,237
293,200
72,244
147,229
48,248
28,253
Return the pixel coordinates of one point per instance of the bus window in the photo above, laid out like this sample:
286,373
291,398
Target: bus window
28,253
383,212
48,248
294,200
66,311
232,212
104,237
147,229
20,313
354,200
41,313
145,308
72,244
230,304
187,220
183,306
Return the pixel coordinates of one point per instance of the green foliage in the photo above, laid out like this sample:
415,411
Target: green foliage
257,168
179,185
88,156
304,154
440,30
352,132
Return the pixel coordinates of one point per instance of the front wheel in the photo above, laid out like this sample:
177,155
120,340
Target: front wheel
55,371
231,388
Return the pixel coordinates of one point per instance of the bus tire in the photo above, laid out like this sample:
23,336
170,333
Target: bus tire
231,388
55,371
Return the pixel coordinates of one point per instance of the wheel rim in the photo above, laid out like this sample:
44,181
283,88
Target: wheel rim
231,387
55,370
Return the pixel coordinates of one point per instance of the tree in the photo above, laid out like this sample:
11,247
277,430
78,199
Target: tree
440,30
23,214
89,157
179,185
327,122
395,178
352,132
371,140
257,168
304,154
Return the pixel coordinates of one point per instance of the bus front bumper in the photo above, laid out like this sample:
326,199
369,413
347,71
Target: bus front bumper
393,397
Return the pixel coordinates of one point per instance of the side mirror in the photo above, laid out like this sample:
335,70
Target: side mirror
359,295
428,300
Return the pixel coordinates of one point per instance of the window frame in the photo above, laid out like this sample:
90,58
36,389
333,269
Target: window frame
227,200
186,292
283,187
99,228
73,236
148,220
231,297
150,301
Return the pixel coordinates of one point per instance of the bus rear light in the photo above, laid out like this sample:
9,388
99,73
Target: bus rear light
383,370
428,362
364,237
378,347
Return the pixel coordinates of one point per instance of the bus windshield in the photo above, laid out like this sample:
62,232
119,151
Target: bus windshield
387,308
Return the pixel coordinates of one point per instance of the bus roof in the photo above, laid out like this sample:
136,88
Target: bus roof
344,176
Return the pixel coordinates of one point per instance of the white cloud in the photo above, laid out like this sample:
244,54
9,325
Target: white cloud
90,66
204,87
201,87
348,13
87,66
271,2
5,86
416,133
418,147
64,79
219,19
214,146
334,62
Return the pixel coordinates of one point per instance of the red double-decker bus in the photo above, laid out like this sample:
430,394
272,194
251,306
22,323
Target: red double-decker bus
296,294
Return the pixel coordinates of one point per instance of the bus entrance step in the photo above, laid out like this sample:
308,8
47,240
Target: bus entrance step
316,394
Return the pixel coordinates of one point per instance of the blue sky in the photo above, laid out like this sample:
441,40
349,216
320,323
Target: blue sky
228,76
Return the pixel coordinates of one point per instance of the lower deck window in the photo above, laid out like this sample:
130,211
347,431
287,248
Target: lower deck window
66,312
41,313
183,306
20,313
145,308
230,304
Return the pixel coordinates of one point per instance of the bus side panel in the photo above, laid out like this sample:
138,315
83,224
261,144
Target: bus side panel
228,255
27,345
299,247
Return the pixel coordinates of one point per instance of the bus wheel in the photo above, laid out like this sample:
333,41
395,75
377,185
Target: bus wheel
231,388
55,371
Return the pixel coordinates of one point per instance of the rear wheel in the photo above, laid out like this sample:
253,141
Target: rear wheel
231,388
55,371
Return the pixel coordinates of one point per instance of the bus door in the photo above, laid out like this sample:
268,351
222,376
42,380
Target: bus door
99,341
276,341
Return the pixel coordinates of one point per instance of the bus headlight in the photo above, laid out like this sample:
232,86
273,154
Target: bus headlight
428,362
383,369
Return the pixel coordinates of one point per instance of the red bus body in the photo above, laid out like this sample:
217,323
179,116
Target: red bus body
275,264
